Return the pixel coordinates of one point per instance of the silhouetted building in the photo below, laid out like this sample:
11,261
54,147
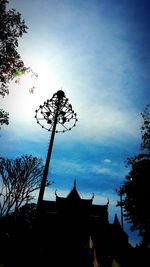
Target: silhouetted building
66,232
69,222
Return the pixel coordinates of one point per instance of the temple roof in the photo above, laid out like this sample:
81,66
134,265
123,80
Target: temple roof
74,193
77,207
116,221
73,196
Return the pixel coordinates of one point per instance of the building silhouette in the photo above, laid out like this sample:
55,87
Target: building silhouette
68,223
71,232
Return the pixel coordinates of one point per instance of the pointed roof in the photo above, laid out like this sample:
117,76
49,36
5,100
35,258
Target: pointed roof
73,196
74,193
75,206
116,221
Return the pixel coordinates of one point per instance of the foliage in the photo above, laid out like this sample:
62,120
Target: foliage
12,27
20,178
145,129
136,187
4,117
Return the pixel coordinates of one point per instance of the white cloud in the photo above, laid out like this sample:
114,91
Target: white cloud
103,109
82,167
107,161
98,123
102,122
101,170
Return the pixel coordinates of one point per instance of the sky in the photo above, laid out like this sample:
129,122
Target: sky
97,52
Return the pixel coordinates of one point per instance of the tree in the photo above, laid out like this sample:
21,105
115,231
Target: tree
20,178
4,117
145,129
12,27
136,187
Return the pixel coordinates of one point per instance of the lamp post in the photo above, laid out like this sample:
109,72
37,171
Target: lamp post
120,203
121,206
54,112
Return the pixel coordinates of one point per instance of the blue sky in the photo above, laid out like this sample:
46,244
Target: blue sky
98,53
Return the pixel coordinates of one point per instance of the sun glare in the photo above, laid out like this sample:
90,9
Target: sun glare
27,92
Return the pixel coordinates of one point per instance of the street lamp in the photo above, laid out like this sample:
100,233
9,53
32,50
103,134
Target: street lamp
55,115
120,203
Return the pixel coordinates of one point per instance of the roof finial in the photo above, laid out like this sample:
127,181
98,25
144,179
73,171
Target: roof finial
75,183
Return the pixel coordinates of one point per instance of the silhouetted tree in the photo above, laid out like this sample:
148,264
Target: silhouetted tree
4,117
12,27
20,178
136,187
145,129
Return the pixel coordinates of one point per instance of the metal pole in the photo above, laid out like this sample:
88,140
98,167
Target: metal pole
120,203
55,111
121,210
45,173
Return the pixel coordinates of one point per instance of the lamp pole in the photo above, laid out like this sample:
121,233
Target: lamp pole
55,111
120,203
121,206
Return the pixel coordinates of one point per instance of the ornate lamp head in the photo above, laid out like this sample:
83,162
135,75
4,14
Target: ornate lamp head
66,117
